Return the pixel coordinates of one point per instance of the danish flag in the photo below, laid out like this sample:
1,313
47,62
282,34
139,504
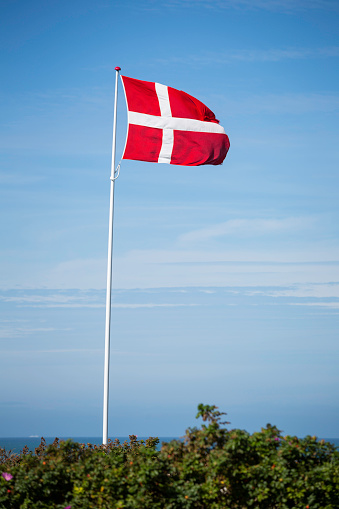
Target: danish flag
166,125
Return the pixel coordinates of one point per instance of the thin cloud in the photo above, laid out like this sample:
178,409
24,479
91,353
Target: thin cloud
208,268
77,300
34,299
267,5
291,104
308,290
255,55
118,306
22,179
276,55
90,351
245,227
285,104
17,332
331,305
187,265
53,351
151,305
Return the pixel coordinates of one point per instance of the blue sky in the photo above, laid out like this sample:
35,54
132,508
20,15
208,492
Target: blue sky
226,279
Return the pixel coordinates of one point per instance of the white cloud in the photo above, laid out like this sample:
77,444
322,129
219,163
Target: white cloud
8,332
113,305
73,299
292,104
306,290
246,227
203,269
255,55
42,298
91,271
90,351
331,305
278,54
19,179
151,305
269,5
250,265
272,252
53,351
76,299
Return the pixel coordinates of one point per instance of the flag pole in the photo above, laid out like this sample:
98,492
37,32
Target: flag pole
109,269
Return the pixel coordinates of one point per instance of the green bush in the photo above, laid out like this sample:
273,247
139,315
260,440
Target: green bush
212,467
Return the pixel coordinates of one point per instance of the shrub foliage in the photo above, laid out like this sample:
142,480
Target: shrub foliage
212,467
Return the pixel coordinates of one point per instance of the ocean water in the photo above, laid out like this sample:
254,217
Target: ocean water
17,444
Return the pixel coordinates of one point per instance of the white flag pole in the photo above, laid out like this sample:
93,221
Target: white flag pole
109,269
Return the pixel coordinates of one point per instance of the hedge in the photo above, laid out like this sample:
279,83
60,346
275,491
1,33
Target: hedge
211,467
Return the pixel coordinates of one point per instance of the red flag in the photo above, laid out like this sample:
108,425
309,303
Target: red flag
166,125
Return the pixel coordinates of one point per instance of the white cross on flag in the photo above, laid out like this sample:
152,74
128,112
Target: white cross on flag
166,125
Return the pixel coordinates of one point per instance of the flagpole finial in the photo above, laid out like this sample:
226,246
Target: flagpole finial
118,68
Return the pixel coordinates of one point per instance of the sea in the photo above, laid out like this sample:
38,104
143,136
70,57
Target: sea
16,444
